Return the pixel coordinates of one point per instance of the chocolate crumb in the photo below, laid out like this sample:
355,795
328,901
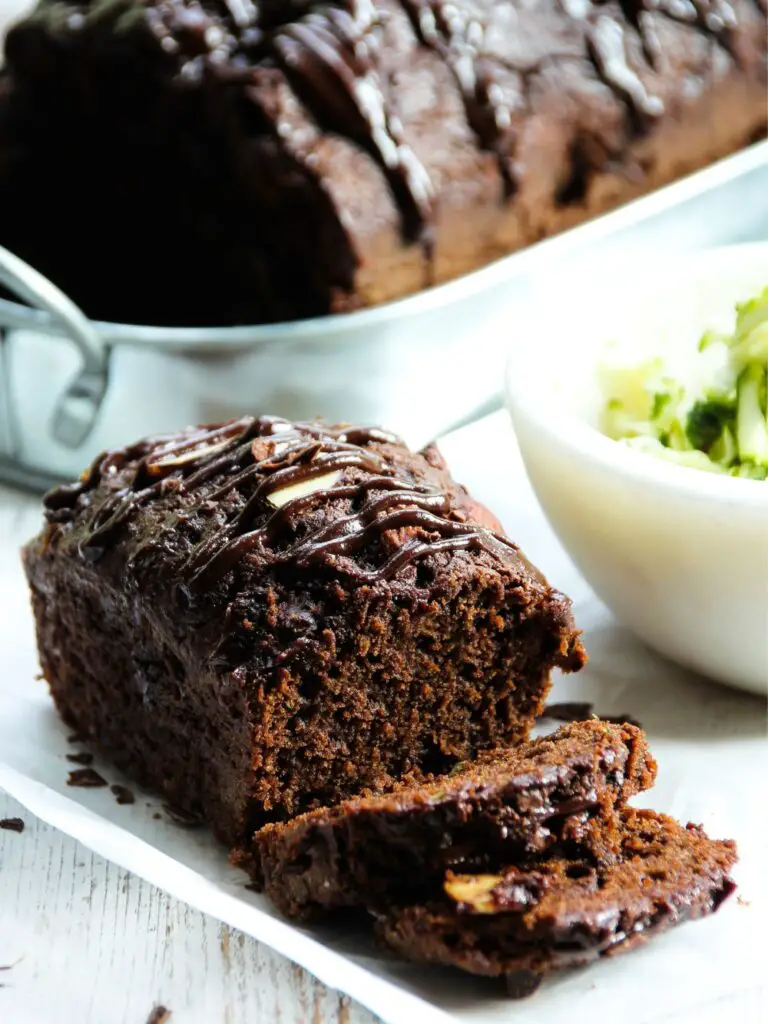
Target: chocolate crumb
11,825
123,794
186,819
157,816
251,887
75,738
522,984
568,711
86,778
159,1015
82,758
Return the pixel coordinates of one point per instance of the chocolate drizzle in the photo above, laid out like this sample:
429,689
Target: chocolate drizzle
272,465
636,13
493,91
490,91
330,58
607,48
329,53
715,18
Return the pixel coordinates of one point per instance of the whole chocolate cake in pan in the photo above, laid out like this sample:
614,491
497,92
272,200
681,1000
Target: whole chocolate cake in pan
557,793
236,161
260,617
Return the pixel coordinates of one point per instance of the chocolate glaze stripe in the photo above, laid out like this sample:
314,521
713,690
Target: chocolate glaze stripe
235,454
607,49
636,14
459,44
290,510
407,507
295,456
714,18
488,106
156,456
330,58
220,549
196,444
305,460
317,464
120,506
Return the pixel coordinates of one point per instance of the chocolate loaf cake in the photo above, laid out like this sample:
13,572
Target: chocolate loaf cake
558,913
557,792
219,162
262,617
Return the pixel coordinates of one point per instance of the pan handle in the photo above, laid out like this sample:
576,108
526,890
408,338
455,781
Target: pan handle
76,411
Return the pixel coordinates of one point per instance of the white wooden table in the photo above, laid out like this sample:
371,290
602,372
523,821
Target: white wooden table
87,942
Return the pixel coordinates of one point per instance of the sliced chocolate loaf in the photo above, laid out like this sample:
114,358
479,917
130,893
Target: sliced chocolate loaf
559,792
262,617
561,912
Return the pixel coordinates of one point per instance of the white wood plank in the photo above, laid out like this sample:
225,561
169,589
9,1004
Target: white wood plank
89,943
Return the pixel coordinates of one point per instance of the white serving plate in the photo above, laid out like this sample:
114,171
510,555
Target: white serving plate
420,365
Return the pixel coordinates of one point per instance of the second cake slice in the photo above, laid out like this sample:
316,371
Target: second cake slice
529,921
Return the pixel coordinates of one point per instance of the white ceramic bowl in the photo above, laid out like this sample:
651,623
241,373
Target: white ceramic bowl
679,555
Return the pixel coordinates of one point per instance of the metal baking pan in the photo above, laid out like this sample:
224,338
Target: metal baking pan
421,365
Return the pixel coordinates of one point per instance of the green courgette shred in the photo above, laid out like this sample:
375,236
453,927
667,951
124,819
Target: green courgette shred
718,424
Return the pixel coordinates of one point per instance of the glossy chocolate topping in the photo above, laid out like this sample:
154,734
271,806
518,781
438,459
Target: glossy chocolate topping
495,90
284,472
490,97
331,55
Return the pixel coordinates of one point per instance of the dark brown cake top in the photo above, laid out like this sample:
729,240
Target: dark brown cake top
337,58
301,496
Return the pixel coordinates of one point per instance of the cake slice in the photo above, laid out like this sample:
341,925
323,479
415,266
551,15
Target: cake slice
261,617
562,912
559,792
